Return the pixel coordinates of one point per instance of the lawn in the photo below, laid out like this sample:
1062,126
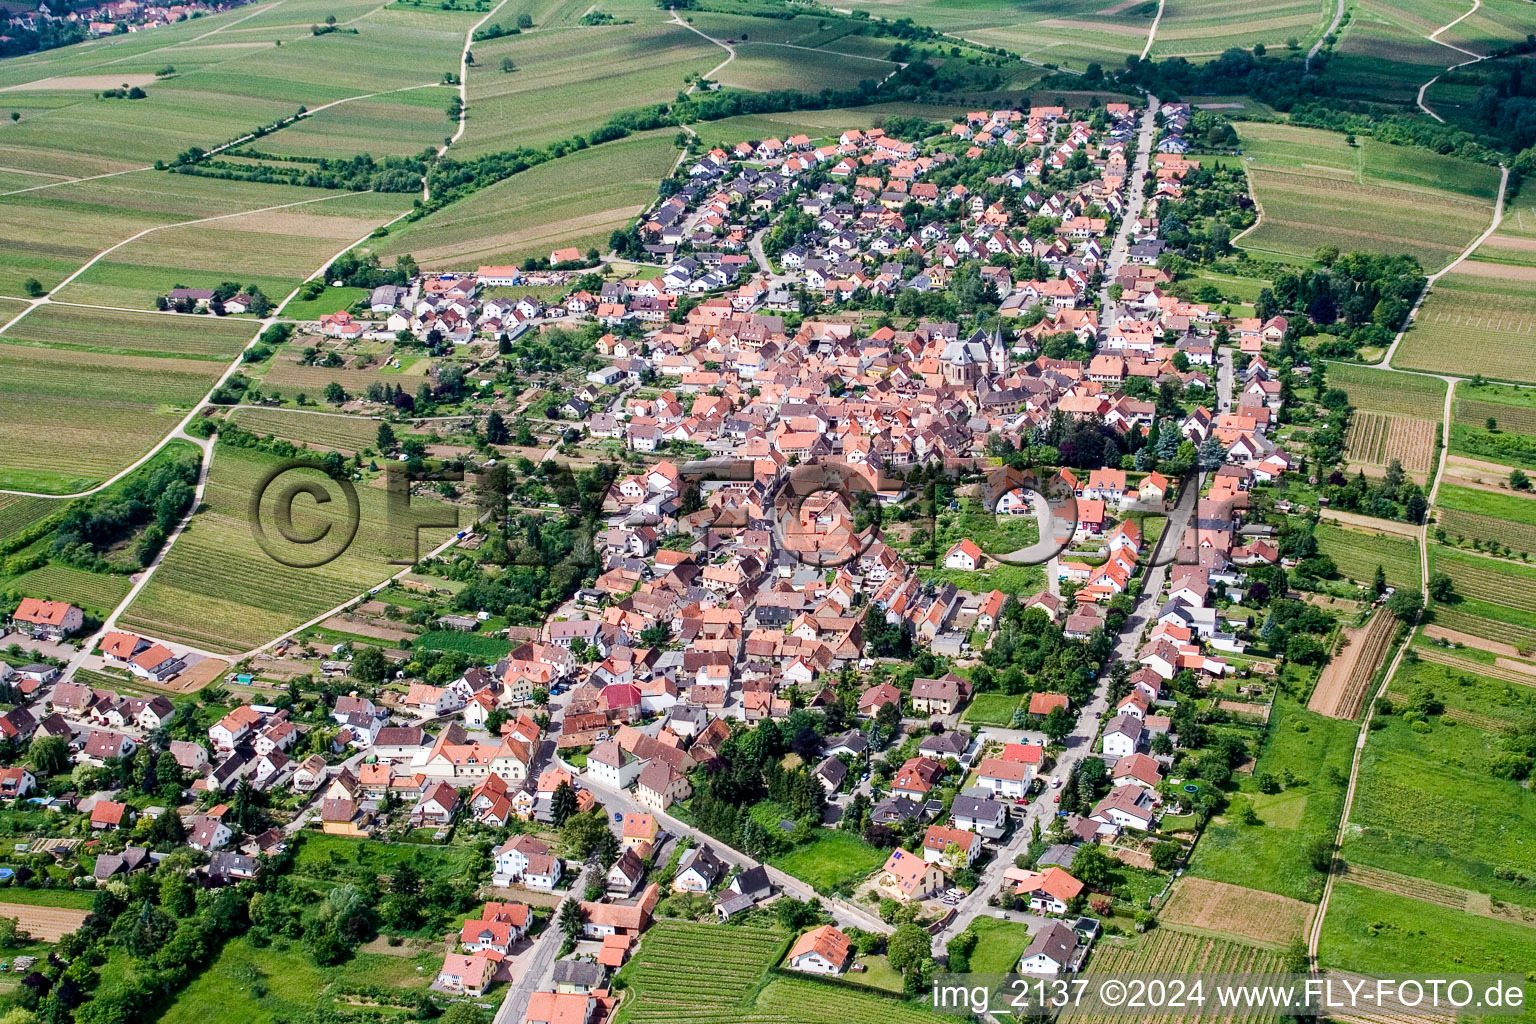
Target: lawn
833,858
263,985
220,590
1272,856
73,899
331,300
577,200
992,709
319,851
999,945
1010,579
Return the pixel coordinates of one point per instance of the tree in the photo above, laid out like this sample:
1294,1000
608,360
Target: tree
34,288
508,65
49,755
1091,866
1165,856
385,442
1379,581
1518,480
562,804
12,934
1441,587
369,665
335,393
908,947
524,22
570,918
1405,604
496,431
1058,724
1212,454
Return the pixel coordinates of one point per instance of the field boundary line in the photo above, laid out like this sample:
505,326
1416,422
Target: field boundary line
1429,282
1152,32
74,181
469,38
1333,26
730,50
261,325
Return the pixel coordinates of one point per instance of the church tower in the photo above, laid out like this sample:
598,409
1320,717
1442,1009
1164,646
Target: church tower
999,354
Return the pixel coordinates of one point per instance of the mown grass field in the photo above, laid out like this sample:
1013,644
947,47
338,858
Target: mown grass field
219,590
273,250
578,200
1373,932
833,858
1273,856
1358,553
1475,324
992,709
1315,190
1516,508
136,373
664,981
261,985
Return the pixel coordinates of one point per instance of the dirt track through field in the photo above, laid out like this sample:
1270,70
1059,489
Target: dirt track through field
1467,639
1370,523
1247,914
1502,271
47,923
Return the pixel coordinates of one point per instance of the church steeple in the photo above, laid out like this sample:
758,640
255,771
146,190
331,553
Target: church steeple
999,353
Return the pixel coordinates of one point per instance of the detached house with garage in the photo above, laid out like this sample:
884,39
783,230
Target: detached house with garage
821,950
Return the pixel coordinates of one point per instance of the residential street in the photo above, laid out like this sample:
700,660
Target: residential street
530,969
1145,136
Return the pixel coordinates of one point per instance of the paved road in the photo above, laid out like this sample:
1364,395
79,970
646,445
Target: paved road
1224,380
530,968
1134,205
844,914
1333,26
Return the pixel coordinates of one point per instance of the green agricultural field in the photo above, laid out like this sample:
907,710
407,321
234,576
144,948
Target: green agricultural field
137,373
273,250
1273,856
1202,28
1479,620
1383,53
830,860
96,591
1473,323
567,83
50,233
1429,802
1514,507
1512,440
1379,933
1514,243
484,648
663,980
218,589
577,200
1358,553
402,123
1402,394
1071,33
18,512
343,433
319,853
1489,581
1313,190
